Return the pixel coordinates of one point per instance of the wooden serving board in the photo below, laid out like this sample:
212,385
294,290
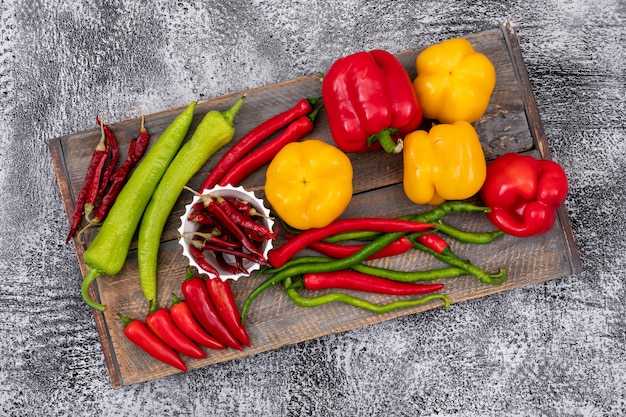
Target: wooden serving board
511,123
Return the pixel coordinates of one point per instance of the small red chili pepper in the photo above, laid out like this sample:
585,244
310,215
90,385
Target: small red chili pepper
222,296
136,149
196,293
244,207
200,259
278,256
254,137
114,149
338,251
215,209
295,131
161,324
137,332
244,221
101,154
81,200
352,280
434,242
183,318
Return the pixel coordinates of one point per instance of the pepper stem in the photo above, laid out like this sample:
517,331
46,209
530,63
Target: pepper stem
384,137
232,112
84,290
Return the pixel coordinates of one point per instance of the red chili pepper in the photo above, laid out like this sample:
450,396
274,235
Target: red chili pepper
295,131
197,295
523,194
278,256
244,221
434,242
339,251
216,209
253,138
137,332
369,98
161,324
352,280
114,149
101,154
136,149
200,259
183,318
222,296
79,207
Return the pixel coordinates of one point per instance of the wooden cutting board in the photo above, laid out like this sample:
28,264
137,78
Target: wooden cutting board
511,123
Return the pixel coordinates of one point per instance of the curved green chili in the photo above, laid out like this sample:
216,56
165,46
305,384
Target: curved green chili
358,302
451,259
465,236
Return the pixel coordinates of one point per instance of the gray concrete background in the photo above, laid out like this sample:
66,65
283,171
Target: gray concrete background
554,349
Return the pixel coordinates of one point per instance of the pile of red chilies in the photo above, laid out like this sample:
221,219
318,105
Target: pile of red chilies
102,184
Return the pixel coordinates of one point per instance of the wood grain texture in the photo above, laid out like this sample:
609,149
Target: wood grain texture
510,124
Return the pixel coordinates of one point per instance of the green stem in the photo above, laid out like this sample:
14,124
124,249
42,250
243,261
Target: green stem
84,290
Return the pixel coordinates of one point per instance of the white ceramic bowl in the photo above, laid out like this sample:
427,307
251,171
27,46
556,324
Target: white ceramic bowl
190,226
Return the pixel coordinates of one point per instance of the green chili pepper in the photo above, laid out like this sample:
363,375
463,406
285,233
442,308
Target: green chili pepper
450,258
358,302
467,237
108,251
214,131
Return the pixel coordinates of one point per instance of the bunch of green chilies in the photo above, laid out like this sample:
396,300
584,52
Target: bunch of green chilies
286,267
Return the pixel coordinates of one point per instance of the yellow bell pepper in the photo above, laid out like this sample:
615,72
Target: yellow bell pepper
447,163
309,183
454,82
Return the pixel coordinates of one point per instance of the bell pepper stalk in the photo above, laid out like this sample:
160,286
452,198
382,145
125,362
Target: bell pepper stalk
309,183
454,82
446,163
523,194
370,101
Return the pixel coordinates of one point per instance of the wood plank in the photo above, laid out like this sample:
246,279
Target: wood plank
511,123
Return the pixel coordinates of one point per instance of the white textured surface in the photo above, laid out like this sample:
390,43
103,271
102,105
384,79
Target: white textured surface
554,349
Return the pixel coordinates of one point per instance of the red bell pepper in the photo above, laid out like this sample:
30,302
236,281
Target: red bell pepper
370,100
523,194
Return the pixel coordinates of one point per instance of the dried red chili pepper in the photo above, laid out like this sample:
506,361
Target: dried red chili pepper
278,256
183,318
338,251
79,206
114,149
254,137
196,293
200,259
244,221
295,131
161,324
138,332
222,296
100,154
353,280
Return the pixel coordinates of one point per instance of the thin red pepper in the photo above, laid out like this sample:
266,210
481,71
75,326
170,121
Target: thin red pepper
338,251
81,200
215,209
278,256
183,318
222,296
100,154
353,280
254,137
294,132
136,149
114,149
201,260
234,252
434,242
244,221
137,332
196,293
161,324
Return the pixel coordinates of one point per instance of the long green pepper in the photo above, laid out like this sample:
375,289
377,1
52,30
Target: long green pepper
214,131
107,253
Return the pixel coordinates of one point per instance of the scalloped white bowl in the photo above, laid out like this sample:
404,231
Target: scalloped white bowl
189,226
